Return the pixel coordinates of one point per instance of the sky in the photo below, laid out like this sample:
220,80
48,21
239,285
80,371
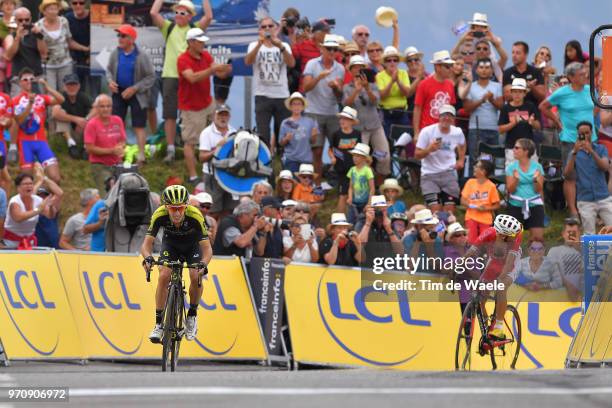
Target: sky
428,24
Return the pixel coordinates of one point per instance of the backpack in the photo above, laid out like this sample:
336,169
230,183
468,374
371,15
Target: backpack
243,159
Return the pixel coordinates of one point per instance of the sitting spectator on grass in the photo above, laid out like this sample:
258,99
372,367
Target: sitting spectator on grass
481,198
104,141
72,115
591,163
341,247
285,183
301,245
297,133
531,275
361,180
441,147
73,237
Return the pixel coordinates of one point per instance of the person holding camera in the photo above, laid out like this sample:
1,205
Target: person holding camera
270,244
590,162
341,247
237,234
302,245
270,58
424,241
95,224
374,225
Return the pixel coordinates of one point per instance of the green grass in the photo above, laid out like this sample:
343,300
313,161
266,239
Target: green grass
76,176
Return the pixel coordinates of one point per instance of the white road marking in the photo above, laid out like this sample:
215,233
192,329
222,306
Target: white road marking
7,381
164,391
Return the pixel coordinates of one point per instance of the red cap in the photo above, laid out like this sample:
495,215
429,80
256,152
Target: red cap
127,29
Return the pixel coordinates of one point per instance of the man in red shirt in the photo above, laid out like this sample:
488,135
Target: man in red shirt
31,115
104,140
433,92
195,67
310,48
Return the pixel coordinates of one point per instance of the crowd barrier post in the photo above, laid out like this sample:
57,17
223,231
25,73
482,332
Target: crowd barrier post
4,361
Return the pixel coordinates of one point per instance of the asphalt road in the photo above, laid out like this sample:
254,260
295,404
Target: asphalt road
105,384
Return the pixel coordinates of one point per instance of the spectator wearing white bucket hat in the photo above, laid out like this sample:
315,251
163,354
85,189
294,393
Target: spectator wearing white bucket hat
342,246
424,241
416,73
297,134
394,86
433,92
364,96
305,190
323,78
285,183
441,147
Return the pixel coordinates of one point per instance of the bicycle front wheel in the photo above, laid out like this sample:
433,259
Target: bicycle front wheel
178,330
507,352
463,349
169,327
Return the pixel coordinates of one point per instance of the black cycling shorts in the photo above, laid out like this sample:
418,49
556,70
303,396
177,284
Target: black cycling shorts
186,253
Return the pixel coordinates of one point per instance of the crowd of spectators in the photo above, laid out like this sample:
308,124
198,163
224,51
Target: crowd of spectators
332,100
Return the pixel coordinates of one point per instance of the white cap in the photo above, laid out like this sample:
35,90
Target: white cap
196,34
519,83
480,19
357,60
378,201
339,219
331,41
361,149
455,227
412,51
289,203
447,109
203,198
442,57
349,113
391,51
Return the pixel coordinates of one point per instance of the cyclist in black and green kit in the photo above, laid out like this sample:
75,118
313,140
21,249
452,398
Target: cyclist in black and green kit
186,239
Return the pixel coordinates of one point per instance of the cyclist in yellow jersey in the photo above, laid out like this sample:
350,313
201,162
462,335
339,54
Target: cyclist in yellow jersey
185,238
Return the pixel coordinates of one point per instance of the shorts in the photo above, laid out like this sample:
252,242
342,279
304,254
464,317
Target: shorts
536,216
35,150
170,98
494,268
441,188
138,115
176,252
194,122
343,185
222,200
328,125
566,151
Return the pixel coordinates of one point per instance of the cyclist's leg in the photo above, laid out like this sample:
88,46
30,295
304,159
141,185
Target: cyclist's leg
501,298
195,292
167,253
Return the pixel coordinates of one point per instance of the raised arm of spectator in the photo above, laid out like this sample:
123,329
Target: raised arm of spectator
364,233
207,17
58,98
396,34
497,43
193,77
11,45
465,37
41,45
156,17
249,58
245,239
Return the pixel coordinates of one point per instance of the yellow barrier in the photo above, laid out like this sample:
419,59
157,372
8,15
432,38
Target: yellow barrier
114,309
593,341
330,323
35,317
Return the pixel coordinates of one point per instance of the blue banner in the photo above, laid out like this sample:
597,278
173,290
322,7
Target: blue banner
595,249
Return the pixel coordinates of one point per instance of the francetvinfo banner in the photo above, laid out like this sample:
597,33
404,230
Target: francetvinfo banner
234,26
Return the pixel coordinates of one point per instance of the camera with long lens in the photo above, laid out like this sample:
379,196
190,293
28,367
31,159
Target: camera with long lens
432,235
291,21
276,223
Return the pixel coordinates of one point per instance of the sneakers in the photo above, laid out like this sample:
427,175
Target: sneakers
73,152
169,156
498,333
191,328
156,334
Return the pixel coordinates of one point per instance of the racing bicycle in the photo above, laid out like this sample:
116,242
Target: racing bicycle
174,314
503,352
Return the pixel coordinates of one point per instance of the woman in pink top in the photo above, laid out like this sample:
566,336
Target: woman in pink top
104,140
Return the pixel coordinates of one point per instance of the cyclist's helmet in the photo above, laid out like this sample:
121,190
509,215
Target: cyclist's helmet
507,225
175,195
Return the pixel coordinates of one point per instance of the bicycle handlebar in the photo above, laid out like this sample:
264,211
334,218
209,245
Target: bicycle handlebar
182,265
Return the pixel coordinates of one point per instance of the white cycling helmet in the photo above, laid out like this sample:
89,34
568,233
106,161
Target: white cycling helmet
507,225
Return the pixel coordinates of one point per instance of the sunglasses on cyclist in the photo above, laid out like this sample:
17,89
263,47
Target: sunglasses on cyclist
176,207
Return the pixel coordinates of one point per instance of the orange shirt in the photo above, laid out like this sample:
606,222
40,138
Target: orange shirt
480,194
304,193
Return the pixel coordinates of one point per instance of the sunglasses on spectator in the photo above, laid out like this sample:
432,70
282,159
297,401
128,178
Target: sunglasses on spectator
544,53
362,34
518,148
482,48
207,206
392,60
351,54
571,221
409,60
182,13
484,64
458,234
301,210
263,27
467,52
119,35
28,79
332,49
306,176
23,20
78,3
375,50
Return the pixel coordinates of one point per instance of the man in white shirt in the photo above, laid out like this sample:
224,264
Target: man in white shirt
270,58
441,149
213,136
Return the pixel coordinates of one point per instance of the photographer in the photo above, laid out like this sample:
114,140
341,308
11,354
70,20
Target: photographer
424,241
375,225
288,26
302,245
270,58
270,244
590,161
341,247
236,234
24,48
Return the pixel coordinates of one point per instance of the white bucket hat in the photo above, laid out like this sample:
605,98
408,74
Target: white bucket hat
186,4
295,95
391,51
424,217
285,175
331,41
480,19
442,57
454,228
519,83
391,184
378,201
412,51
196,34
305,170
339,219
349,113
360,149
357,60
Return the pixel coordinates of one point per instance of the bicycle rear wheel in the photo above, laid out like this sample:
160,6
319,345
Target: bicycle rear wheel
506,352
179,328
169,327
463,349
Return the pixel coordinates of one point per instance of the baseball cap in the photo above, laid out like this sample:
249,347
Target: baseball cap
128,30
71,79
269,201
320,26
447,109
196,34
223,108
203,198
